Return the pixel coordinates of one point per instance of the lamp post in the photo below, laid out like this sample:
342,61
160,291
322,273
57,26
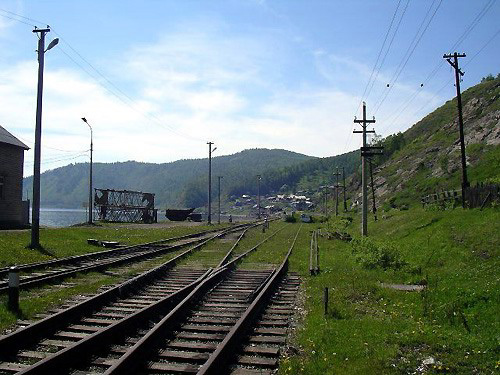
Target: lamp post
219,177
258,196
35,219
90,173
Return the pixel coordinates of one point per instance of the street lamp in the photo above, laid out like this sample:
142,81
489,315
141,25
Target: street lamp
90,174
35,225
258,195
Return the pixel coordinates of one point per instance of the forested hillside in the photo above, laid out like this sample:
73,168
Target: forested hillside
307,175
426,158
68,186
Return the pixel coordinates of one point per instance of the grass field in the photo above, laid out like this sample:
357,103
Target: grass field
63,242
450,327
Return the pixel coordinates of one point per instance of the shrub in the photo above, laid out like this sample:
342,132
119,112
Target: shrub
372,255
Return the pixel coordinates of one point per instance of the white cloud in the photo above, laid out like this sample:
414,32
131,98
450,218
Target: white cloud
190,87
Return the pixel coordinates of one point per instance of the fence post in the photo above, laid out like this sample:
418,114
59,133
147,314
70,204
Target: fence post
317,250
325,300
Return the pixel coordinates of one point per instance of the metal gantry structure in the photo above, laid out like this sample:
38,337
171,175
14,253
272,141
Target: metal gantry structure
124,206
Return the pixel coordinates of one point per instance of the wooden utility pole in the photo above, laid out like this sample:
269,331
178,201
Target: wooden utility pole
364,123
219,178
35,212
343,186
325,193
458,73
373,189
258,195
337,174
209,217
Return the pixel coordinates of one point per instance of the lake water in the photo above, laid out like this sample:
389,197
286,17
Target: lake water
65,217
61,217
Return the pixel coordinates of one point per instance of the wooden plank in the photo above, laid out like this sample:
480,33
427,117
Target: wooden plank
257,361
176,369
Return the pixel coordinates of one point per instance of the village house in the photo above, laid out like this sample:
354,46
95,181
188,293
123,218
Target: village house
14,213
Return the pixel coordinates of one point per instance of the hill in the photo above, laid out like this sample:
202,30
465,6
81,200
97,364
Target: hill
426,157
171,182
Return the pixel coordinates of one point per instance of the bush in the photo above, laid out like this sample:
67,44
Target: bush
290,219
371,255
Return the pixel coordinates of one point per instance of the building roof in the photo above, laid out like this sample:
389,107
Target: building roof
6,137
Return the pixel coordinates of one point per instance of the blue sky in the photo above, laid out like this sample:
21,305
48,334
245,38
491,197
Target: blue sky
158,79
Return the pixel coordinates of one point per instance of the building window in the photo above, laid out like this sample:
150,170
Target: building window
2,182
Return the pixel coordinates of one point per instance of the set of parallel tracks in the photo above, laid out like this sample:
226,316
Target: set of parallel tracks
169,320
36,274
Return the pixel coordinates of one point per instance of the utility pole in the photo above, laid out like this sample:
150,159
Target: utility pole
337,174
209,217
325,193
343,186
258,196
364,123
219,178
35,215
458,73
373,189
90,172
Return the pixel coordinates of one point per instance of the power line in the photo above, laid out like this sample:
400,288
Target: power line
409,52
388,49
23,17
465,65
53,161
15,19
349,138
131,104
439,65
379,54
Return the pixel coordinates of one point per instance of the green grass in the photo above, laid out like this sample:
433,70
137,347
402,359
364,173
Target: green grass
370,329
272,252
40,300
63,242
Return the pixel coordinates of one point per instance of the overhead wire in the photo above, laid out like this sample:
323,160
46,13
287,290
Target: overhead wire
409,52
57,160
119,94
378,55
450,80
348,141
388,49
439,65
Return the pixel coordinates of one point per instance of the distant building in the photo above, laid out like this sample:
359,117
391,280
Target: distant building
14,212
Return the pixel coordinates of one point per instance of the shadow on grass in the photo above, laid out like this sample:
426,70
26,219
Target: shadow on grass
42,250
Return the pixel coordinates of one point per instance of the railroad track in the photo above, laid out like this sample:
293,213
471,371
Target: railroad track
97,333
36,274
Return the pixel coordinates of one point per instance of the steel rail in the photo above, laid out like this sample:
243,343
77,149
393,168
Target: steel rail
29,334
32,281
226,349
132,359
97,254
75,354
113,252
136,354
